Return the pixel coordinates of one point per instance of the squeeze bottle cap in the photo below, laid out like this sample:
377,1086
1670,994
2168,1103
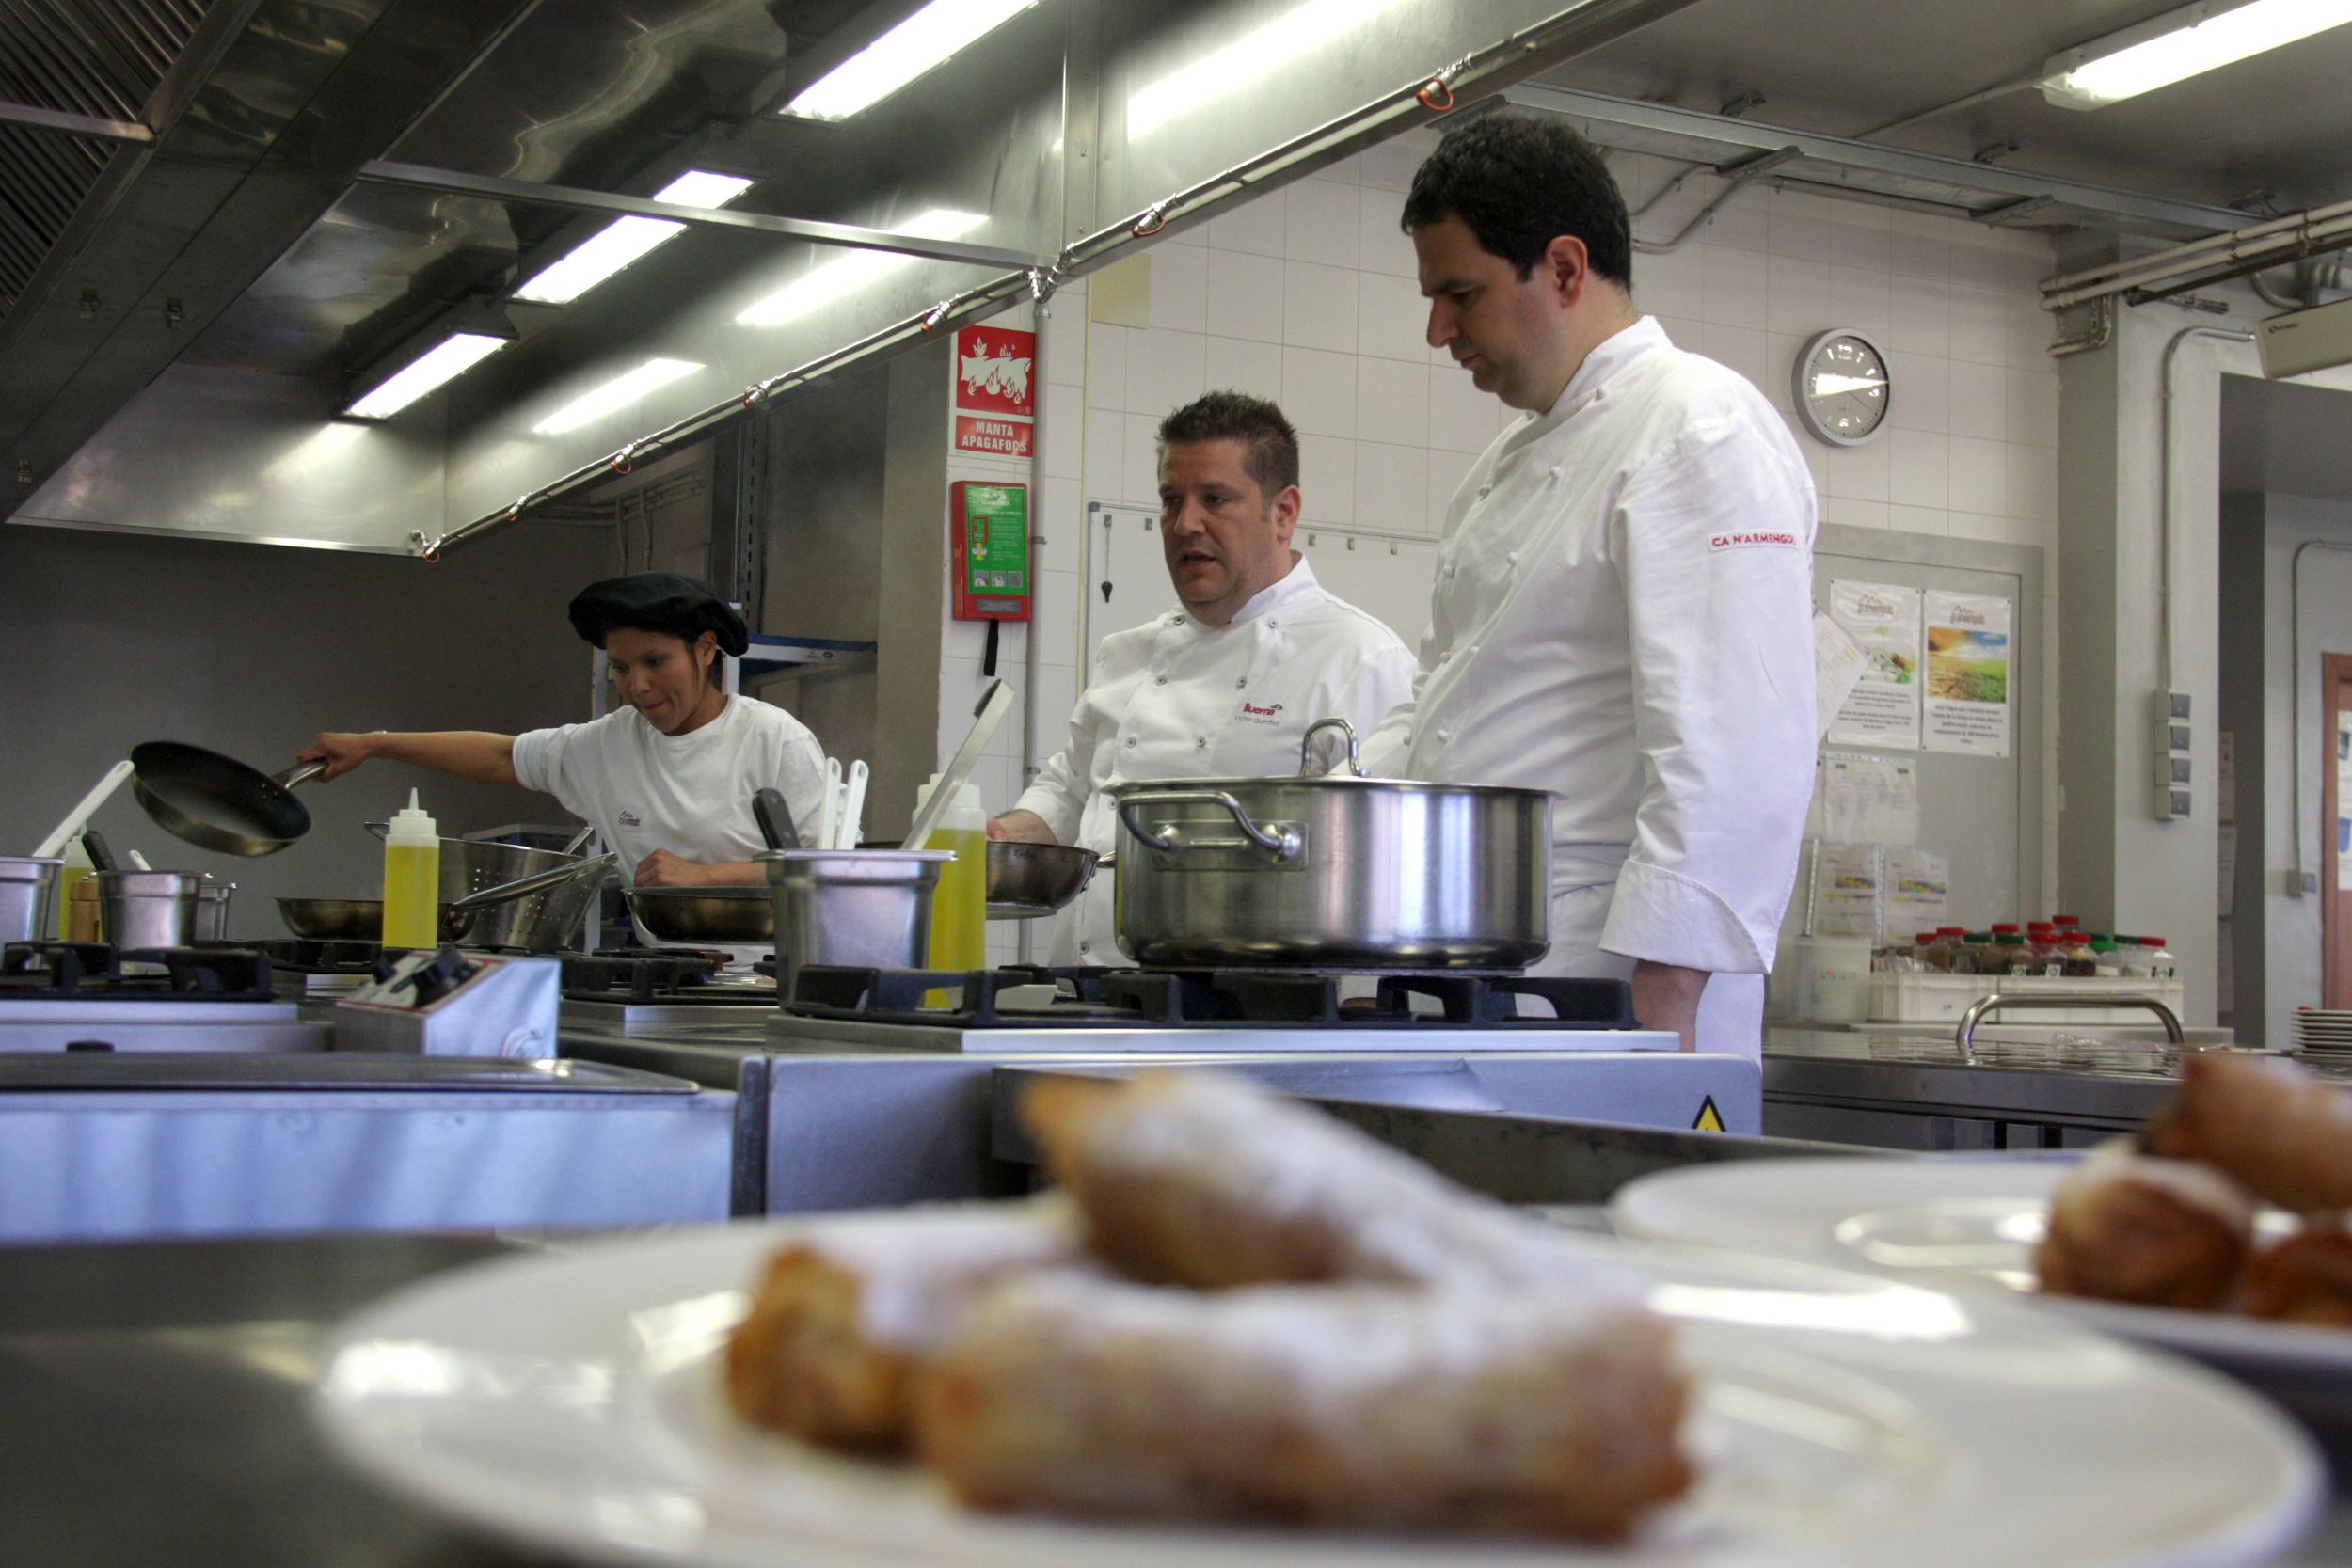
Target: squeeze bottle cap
414,825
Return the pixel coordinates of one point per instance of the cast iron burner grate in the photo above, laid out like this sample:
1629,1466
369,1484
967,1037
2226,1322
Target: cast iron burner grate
318,956
1191,998
637,974
57,971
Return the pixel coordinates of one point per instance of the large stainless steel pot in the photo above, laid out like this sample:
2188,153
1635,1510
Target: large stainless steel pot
537,923
1335,872
860,907
24,882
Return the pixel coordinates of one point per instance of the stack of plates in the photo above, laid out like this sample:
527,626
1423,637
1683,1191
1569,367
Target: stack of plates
2324,1035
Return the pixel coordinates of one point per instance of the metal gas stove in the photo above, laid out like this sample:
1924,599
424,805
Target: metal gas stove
877,1086
633,990
304,970
1019,1010
58,996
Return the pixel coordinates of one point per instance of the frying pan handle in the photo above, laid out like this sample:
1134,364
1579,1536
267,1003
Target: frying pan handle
303,774
523,886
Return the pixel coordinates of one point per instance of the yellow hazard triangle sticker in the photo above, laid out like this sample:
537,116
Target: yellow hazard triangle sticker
1711,1120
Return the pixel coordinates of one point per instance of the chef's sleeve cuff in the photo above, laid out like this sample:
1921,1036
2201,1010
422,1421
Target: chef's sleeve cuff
1664,917
532,753
1054,808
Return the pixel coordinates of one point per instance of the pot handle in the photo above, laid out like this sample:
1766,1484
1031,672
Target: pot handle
523,886
1286,844
1307,747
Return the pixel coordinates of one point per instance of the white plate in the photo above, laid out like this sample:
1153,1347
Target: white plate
1964,1223
572,1403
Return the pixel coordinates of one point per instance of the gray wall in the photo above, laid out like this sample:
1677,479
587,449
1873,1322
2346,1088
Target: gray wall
251,650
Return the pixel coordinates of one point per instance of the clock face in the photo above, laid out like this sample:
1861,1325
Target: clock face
1843,388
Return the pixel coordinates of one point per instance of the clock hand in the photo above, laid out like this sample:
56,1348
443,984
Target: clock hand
1831,384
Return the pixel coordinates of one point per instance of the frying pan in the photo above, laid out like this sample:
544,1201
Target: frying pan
217,802
334,919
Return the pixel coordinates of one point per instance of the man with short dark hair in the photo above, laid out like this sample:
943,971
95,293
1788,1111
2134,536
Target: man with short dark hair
1623,609
1227,685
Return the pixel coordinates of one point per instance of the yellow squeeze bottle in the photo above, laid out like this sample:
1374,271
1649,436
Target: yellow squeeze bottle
960,905
412,878
74,872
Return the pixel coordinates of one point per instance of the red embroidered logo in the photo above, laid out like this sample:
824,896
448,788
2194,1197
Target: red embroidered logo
1740,540
1256,712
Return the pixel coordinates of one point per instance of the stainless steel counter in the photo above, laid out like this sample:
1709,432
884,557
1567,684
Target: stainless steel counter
1912,1091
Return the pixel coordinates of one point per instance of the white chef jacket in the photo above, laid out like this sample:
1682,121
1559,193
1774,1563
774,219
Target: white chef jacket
1176,698
689,794
1623,616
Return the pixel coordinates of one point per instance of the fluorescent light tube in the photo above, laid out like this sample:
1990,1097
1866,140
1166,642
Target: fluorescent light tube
626,240
2181,44
1294,36
443,362
901,54
619,392
844,273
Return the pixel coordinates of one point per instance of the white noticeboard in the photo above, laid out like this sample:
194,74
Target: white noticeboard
1882,619
1969,655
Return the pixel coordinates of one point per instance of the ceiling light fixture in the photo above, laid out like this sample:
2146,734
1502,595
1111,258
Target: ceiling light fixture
839,276
1279,45
619,392
901,56
2181,44
448,359
626,240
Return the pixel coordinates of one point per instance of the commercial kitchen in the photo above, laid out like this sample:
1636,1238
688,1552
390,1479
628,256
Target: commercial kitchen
350,352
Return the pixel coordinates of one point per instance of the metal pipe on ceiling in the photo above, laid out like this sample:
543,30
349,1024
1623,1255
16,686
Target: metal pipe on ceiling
452,183
75,125
2251,248
1591,22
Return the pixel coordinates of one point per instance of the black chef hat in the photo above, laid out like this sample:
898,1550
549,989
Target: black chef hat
657,601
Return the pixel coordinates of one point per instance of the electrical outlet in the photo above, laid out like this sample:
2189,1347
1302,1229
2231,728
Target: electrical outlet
2170,797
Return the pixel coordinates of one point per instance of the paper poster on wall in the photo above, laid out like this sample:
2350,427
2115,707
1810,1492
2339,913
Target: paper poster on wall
1883,621
1845,890
1917,888
1865,800
1967,687
1837,664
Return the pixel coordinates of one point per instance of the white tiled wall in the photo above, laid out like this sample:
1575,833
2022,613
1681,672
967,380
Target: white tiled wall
1306,295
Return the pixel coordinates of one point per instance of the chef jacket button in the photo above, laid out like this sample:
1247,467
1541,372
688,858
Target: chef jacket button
1445,734
1553,476
1241,683
1511,558
1200,743
1271,625
1159,680
1130,740
1484,490
1086,947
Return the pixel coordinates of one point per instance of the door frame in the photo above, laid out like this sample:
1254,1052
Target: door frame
2335,966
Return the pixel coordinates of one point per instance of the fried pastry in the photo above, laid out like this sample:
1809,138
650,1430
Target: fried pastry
1370,1406
1202,1181
2125,1227
2306,1280
2263,1120
847,1311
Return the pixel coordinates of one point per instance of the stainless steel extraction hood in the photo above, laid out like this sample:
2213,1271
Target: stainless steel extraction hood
274,198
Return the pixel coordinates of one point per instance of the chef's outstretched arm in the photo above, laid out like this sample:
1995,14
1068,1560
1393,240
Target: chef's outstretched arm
476,754
663,869
1713,539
